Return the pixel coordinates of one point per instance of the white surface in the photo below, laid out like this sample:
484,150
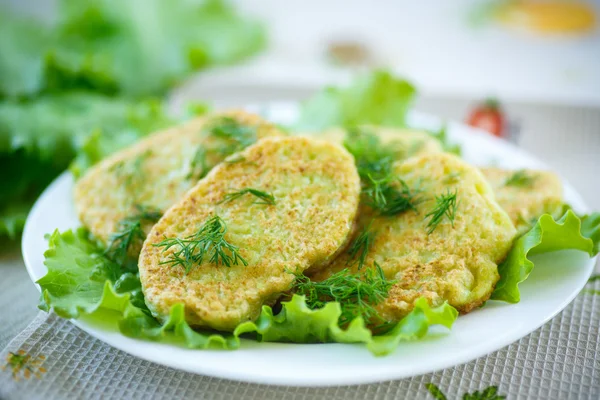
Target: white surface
553,284
431,42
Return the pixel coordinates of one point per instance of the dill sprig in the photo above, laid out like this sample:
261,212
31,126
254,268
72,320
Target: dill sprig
357,294
198,165
383,191
520,178
231,130
266,198
130,233
209,241
387,198
373,160
445,206
360,247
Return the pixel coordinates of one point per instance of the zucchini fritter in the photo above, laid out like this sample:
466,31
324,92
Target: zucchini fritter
316,190
403,143
458,260
526,194
158,170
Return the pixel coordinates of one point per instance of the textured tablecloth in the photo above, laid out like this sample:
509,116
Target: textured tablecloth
561,360
558,361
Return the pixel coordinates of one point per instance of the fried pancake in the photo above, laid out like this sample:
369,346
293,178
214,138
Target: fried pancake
457,262
404,143
155,172
527,198
316,189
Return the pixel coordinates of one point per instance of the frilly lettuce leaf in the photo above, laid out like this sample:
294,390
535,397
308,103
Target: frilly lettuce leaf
568,233
377,98
81,281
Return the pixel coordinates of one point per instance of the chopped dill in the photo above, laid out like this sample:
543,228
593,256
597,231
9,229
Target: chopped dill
198,165
446,205
389,199
520,178
209,241
240,136
373,160
360,247
266,198
357,294
374,163
130,233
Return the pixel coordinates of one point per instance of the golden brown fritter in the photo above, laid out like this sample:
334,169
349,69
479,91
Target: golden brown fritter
316,189
158,170
526,194
456,262
404,143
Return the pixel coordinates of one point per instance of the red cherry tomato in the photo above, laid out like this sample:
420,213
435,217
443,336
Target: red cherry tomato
489,117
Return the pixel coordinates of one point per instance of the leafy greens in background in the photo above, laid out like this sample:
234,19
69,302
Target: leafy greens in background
39,139
85,85
82,281
378,98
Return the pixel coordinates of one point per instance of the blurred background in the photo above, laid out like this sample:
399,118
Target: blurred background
82,78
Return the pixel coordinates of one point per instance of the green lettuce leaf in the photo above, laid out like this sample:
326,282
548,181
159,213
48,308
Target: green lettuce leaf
568,233
133,48
40,138
82,282
377,98
145,47
22,45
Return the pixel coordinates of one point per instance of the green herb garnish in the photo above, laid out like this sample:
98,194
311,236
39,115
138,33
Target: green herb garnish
208,241
374,164
520,178
446,205
130,232
198,165
385,197
360,247
373,160
266,198
240,136
357,294
491,393
435,391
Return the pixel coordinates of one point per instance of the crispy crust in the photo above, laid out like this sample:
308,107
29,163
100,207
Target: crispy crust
457,264
525,204
107,193
316,188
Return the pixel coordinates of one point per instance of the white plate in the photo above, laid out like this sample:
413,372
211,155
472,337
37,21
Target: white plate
554,283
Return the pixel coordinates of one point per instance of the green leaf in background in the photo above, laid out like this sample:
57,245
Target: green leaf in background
22,46
377,98
80,281
546,236
39,139
141,47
